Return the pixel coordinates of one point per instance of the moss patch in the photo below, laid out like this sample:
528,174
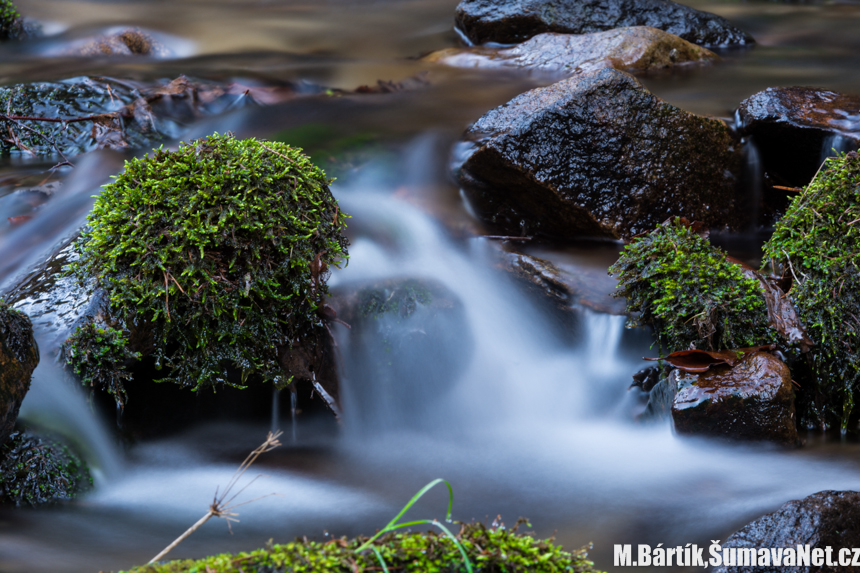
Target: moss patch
213,257
490,550
684,288
35,470
817,246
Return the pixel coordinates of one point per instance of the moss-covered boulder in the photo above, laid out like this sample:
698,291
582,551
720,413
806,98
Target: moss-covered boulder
816,247
511,21
214,258
686,289
495,550
637,48
599,155
19,356
37,470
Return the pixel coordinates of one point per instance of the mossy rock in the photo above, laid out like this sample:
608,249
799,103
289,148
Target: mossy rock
817,246
37,470
19,356
12,25
489,550
684,288
214,259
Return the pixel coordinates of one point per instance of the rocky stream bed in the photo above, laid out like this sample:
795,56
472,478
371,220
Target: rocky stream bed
439,302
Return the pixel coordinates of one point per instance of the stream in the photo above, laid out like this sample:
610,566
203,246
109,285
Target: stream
539,422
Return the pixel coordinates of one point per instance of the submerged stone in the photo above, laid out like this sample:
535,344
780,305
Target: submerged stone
513,21
636,48
19,356
409,342
754,400
796,128
599,155
827,519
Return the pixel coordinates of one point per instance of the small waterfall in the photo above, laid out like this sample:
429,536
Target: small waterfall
753,176
276,410
836,143
293,411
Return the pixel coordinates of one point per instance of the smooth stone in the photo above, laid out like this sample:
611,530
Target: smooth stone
19,356
754,400
511,21
636,48
796,128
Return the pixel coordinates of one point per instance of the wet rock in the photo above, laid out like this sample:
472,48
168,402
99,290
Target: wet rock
824,519
408,343
130,42
561,289
599,155
35,470
19,356
753,400
517,20
796,128
637,48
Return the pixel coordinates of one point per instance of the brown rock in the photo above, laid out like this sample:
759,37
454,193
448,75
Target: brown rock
795,128
19,356
754,400
636,48
598,155
130,42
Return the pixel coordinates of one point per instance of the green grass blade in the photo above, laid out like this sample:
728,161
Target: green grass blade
381,560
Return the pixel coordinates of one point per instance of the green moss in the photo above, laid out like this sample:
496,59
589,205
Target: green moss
213,257
689,293
490,550
817,245
11,24
34,471
100,356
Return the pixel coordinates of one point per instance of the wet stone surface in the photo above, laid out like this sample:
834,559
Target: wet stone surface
754,400
19,356
129,42
796,128
518,20
636,48
598,155
824,519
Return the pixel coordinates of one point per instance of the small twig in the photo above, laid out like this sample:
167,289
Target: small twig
221,508
792,189
17,118
327,398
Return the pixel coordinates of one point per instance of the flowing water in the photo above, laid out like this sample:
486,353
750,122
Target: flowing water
538,423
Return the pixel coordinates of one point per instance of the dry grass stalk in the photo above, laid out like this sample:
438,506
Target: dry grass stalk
221,504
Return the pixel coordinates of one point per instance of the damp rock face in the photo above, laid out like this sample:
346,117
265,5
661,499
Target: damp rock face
795,128
637,48
19,356
599,155
514,21
753,400
408,343
826,518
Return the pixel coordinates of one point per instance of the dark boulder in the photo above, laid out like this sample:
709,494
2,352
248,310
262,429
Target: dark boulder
599,155
754,400
513,21
409,342
637,48
19,356
824,519
796,128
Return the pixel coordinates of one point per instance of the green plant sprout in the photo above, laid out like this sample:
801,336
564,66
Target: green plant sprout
393,524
